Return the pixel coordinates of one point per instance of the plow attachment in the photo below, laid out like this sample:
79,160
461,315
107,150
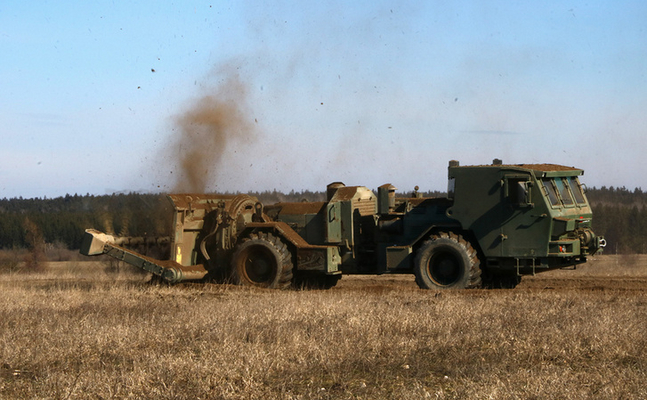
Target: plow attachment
97,243
205,229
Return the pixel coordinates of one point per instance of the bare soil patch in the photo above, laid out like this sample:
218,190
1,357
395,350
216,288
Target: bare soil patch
608,272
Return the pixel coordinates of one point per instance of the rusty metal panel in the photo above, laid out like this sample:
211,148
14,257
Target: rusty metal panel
300,207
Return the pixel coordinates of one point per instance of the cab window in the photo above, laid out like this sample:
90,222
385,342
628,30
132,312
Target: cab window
574,184
562,187
519,192
451,187
550,190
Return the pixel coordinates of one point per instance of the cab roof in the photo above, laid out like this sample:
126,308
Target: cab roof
540,170
543,167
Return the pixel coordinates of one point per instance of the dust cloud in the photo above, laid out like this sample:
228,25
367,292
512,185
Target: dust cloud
209,134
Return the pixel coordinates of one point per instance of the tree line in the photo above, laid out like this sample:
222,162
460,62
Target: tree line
619,214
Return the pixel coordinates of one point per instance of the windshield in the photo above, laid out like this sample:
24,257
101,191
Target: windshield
562,188
563,191
550,190
576,188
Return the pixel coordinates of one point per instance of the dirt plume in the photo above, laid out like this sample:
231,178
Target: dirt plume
203,143
35,259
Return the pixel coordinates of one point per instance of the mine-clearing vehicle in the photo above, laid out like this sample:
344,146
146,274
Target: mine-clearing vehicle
496,223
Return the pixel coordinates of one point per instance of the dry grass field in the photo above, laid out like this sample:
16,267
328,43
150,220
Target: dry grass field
76,332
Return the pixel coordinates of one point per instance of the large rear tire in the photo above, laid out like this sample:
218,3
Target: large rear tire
447,261
262,260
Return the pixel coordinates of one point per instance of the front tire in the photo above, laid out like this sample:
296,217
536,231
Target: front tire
262,260
447,261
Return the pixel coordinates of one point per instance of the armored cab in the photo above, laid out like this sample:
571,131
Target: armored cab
526,217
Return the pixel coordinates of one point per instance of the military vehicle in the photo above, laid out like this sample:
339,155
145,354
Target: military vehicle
497,223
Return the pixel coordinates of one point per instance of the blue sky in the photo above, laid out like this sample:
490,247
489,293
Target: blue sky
366,92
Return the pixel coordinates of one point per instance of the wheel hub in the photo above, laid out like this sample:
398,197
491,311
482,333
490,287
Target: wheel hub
444,269
259,267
